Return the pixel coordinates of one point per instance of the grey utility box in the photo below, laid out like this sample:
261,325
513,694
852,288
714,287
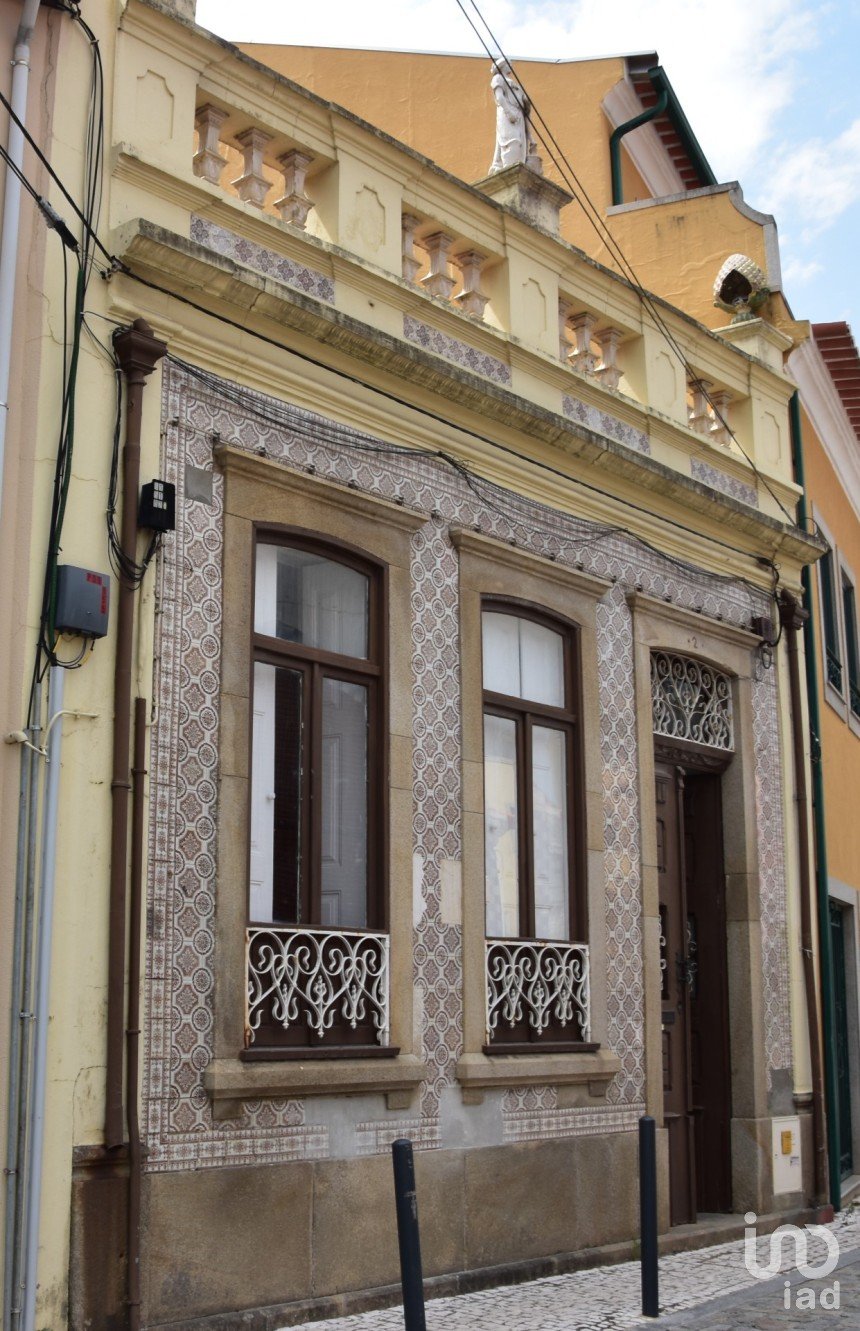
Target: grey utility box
83,602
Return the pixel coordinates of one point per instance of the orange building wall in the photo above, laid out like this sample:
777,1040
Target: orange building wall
840,745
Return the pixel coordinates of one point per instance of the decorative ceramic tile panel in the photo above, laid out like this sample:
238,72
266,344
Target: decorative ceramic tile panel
523,1125
461,353
771,870
268,262
375,1138
621,860
604,423
720,480
180,1131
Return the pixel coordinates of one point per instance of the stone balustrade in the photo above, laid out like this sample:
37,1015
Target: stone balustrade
259,170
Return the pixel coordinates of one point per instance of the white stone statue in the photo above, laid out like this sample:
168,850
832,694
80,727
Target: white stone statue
515,142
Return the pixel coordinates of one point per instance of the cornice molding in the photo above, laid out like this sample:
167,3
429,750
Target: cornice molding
494,551
642,605
238,462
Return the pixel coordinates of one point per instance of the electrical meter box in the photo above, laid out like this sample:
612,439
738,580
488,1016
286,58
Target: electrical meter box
787,1163
83,602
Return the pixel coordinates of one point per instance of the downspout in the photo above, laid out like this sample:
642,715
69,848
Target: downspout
138,352
618,134
12,212
135,1157
834,1151
792,616
44,949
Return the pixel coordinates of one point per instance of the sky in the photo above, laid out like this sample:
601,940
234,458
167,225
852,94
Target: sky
771,89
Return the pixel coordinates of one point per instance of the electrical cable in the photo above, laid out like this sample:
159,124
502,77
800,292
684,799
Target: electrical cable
250,402
605,235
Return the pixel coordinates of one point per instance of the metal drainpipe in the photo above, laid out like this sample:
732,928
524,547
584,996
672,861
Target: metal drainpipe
618,134
792,616
828,1005
12,212
43,991
135,1155
138,351
21,1024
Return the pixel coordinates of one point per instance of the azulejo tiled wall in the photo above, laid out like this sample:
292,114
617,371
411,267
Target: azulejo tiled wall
198,410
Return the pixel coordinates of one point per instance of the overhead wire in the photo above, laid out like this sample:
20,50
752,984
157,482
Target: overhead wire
568,174
491,493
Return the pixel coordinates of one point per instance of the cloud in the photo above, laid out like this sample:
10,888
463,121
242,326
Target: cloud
816,181
795,272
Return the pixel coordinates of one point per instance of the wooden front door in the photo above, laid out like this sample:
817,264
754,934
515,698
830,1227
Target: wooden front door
675,993
696,1064
843,1067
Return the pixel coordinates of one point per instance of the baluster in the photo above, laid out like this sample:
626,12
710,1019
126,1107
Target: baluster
698,416
411,265
207,161
582,358
607,371
564,347
253,185
471,299
720,430
294,205
437,281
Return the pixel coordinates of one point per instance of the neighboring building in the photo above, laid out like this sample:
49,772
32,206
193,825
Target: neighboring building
827,370
468,803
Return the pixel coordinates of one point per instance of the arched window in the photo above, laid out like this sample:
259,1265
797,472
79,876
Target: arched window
533,852
316,747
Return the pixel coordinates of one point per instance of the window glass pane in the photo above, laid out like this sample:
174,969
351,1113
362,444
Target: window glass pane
303,597
344,805
501,837
523,659
501,648
276,788
542,656
549,793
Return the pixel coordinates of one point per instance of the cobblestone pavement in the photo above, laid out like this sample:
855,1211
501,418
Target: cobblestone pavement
713,1283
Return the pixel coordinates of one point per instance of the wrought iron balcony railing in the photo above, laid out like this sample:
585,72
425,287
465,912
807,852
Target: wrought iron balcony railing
320,977
545,984
834,670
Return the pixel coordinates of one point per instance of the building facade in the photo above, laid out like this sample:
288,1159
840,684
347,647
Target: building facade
458,773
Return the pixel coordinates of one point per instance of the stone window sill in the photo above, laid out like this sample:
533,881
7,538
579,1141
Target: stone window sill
230,1081
591,1072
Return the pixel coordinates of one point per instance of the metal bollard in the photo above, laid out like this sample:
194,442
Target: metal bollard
648,1216
408,1236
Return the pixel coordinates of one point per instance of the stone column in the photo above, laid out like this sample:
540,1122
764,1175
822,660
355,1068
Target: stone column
582,357
471,299
207,161
294,204
253,185
411,265
607,371
437,281
698,416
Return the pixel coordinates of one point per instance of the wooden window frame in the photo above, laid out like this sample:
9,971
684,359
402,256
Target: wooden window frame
316,665
260,493
567,719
